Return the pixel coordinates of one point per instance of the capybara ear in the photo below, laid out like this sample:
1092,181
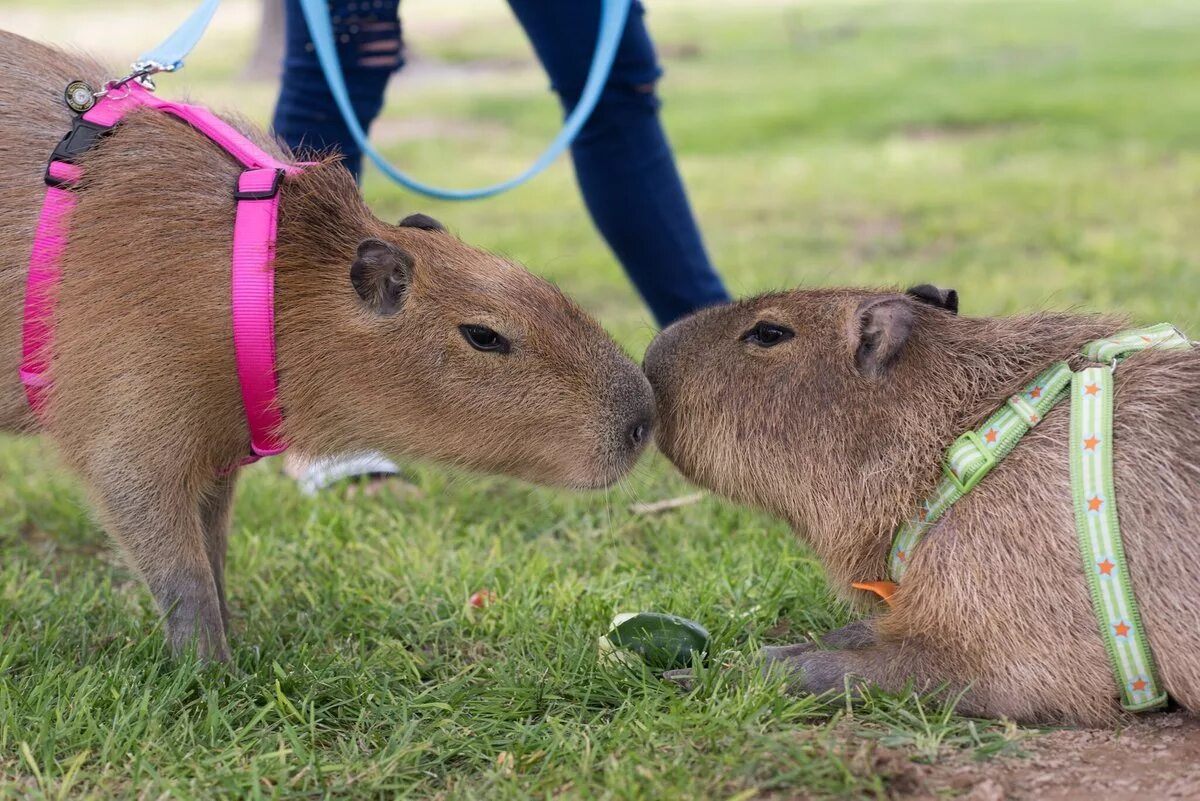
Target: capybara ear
422,221
381,274
882,328
942,298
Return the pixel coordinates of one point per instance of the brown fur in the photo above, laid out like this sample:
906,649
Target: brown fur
146,404
995,598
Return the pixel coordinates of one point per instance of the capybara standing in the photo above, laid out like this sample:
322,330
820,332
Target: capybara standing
834,409
397,338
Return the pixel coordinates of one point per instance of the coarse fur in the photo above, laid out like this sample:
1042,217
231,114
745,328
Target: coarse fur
842,430
371,355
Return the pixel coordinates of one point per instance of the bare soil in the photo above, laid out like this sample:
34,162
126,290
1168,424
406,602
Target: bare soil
1155,757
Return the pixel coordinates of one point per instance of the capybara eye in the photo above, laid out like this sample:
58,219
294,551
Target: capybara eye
767,335
480,337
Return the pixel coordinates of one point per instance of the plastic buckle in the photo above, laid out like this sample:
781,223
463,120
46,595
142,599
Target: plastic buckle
260,194
82,137
989,461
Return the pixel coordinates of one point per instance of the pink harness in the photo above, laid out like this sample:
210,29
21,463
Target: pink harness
253,274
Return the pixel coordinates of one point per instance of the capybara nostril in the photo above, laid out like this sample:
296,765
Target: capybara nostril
639,433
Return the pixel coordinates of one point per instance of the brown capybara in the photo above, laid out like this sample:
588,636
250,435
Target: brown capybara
435,349
834,408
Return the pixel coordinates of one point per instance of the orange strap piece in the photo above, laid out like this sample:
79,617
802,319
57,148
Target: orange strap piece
884,589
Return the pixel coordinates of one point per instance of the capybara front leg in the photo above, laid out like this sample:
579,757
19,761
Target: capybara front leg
161,531
889,666
215,507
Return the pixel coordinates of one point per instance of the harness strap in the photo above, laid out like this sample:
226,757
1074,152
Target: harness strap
1100,540
45,259
974,454
253,277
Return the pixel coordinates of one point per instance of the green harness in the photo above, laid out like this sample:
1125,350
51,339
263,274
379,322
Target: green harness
975,453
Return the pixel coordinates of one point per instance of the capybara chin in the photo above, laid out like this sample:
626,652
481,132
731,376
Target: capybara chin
399,338
833,409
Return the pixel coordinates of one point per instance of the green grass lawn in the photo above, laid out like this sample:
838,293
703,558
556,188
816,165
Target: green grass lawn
1031,154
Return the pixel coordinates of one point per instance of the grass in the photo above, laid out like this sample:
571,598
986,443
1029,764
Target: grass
1035,154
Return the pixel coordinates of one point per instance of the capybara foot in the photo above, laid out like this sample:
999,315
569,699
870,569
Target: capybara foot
194,619
807,670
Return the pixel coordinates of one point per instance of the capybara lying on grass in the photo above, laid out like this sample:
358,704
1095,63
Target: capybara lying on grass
834,408
397,338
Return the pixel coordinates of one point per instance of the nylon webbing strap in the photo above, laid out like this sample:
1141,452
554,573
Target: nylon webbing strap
974,454
1162,336
1100,540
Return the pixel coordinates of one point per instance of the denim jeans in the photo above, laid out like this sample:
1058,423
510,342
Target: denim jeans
623,162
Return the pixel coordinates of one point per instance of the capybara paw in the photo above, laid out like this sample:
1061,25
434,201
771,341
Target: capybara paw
212,648
806,670
203,632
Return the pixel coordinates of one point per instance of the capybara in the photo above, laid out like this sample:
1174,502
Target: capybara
834,408
398,338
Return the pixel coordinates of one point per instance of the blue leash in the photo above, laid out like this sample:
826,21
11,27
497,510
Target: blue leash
169,56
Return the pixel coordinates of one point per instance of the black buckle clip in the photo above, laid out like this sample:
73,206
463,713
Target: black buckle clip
82,137
261,194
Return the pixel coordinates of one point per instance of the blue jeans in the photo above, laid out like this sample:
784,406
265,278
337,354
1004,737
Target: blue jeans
623,163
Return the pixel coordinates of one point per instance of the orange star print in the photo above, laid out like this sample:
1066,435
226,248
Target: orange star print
1094,504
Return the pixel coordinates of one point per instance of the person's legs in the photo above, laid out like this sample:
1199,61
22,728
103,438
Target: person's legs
369,49
623,162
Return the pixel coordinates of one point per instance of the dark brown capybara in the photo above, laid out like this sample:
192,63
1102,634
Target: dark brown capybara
833,409
398,338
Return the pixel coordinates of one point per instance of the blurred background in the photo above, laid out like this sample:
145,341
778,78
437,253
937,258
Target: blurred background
1030,154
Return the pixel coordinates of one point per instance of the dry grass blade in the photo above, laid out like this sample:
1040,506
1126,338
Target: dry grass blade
666,505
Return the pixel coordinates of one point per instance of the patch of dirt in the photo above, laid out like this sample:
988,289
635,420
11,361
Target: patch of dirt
959,132
680,51
802,38
1157,757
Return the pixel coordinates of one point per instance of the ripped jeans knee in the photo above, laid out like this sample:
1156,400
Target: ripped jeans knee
370,47
368,34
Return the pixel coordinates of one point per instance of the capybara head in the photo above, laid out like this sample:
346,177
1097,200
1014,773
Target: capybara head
753,396
832,407
413,342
